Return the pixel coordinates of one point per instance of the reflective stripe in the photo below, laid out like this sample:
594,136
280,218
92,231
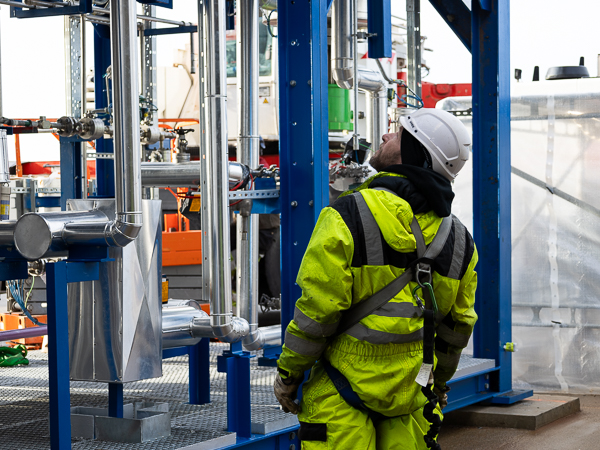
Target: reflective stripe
447,361
312,327
452,337
458,254
373,243
302,346
404,310
362,333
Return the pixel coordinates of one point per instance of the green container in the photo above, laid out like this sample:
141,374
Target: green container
340,115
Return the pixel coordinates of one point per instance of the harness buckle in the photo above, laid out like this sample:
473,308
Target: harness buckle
423,269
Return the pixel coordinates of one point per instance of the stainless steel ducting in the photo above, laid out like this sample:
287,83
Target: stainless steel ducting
342,67
59,230
126,93
247,153
187,174
214,176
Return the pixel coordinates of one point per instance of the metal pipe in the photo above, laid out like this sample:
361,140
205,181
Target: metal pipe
186,174
7,231
264,337
345,71
104,11
413,14
248,154
23,333
216,241
126,138
4,164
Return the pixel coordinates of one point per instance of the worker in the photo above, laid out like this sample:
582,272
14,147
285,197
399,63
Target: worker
386,380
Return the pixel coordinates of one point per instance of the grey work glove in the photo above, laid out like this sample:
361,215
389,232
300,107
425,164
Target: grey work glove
286,392
442,395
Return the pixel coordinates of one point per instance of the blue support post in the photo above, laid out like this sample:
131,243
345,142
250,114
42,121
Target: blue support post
199,370
491,186
303,140
379,24
115,400
58,358
105,168
70,169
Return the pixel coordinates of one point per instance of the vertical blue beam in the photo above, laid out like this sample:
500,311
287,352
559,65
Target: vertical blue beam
199,370
239,410
58,356
303,141
115,400
491,184
105,168
70,169
379,22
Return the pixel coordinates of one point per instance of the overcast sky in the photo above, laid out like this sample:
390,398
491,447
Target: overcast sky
543,32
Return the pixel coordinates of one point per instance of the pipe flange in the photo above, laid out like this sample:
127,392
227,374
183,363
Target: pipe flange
151,135
91,129
67,126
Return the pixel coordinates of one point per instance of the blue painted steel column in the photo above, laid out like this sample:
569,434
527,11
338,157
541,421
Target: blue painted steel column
239,411
199,370
303,140
115,400
105,168
379,23
491,184
70,169
58,356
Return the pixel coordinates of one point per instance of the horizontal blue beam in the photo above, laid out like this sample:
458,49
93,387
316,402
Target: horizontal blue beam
457,16
170,30
278,440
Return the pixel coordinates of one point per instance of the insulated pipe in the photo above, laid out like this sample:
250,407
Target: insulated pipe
186,174
23,333
248,154
216,241
126,138
264,337
342,68
7,231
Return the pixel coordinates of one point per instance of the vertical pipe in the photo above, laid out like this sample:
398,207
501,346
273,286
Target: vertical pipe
128,189
354,38
215,239
248,154
413,14
84,179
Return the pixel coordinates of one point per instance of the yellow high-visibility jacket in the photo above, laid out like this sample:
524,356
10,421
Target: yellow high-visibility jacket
335,274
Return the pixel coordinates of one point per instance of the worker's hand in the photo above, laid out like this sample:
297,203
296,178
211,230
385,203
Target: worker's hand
442,395
286,392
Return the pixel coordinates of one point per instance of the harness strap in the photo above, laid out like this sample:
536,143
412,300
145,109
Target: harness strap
342,385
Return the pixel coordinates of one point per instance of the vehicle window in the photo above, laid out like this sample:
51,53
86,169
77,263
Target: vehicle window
265,52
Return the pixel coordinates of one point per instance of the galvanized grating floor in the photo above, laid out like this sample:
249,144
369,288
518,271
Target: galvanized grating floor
24,404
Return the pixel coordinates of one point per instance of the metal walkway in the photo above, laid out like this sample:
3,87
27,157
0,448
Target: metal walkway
24,406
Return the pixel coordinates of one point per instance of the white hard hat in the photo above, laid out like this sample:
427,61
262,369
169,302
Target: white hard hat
443,135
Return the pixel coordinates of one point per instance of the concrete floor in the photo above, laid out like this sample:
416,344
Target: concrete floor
579,431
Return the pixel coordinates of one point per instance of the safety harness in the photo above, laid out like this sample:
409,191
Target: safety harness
419,271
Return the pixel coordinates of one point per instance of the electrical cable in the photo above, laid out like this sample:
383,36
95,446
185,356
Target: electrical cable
17,297
401,83
269,23
30,289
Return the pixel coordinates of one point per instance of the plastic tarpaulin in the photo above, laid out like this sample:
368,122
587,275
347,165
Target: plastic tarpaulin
555,134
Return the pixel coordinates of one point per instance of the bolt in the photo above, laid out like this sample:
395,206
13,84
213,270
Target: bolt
486,385
292,435
311,203
294,124
292,447
294,43
294,204
292,83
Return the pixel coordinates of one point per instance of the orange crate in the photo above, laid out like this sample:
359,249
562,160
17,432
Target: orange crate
24,322
182,248
9,321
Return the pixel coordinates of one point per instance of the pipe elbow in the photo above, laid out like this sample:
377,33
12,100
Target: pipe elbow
343,76
263,337
119,233
233,331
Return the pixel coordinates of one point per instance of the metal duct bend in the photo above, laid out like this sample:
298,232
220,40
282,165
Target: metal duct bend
214,175
263,337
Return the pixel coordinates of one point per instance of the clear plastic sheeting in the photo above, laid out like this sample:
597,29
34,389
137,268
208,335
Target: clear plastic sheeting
555,135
